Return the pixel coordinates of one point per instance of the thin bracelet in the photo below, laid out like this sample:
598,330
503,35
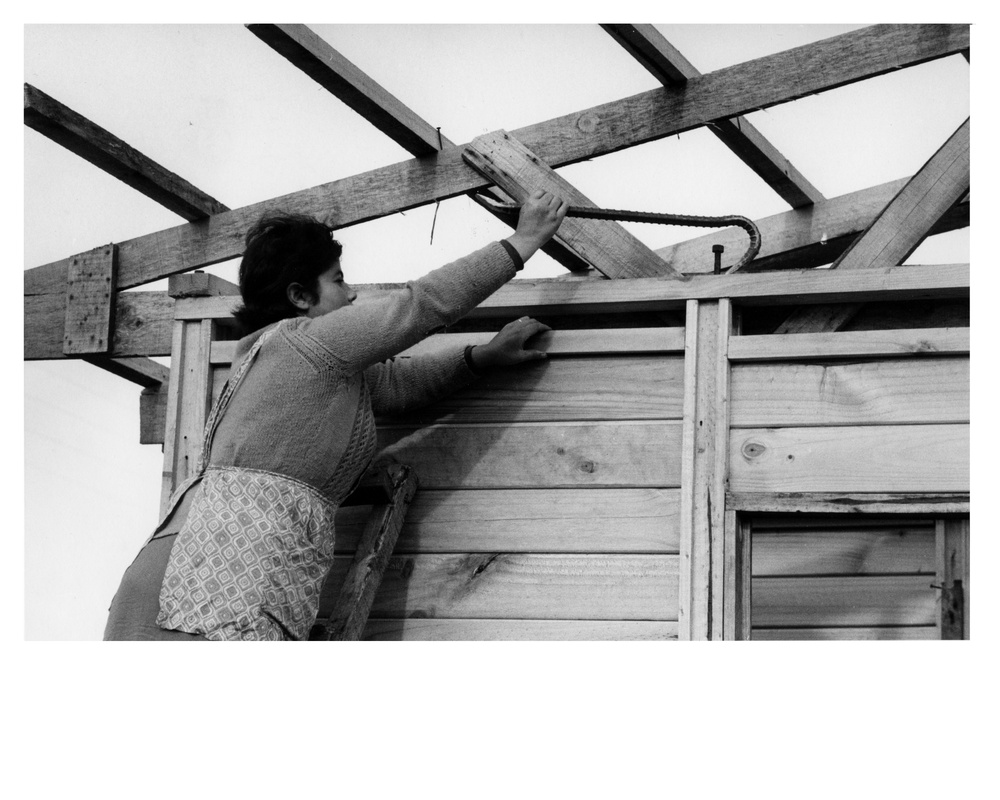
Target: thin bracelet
468,360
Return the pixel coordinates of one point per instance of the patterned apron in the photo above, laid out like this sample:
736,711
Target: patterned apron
250,560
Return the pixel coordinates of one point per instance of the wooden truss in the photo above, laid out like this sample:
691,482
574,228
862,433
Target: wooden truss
76,307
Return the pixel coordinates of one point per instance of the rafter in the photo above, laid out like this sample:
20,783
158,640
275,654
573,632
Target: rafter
651,49
321,62
899,229
607,245
106,151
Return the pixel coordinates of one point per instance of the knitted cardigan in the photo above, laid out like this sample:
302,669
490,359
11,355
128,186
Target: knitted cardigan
255,538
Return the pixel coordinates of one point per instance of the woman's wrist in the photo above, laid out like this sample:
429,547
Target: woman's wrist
525,245
473,362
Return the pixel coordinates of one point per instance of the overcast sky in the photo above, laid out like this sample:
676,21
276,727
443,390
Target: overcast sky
215,105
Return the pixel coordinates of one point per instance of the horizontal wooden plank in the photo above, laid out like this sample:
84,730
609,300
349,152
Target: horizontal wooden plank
144,323
578,136
842,551
851,344
554,297
569,343
919,503
538,455
898,458
863,393
530,521
556,344
506,585
618,388
466,630
922,632
140,370
818,602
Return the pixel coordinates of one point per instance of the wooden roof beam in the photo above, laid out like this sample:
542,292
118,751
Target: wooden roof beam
321,62
311,54
564,140
792,240
607,245
106,151
899,229
144,320
667,65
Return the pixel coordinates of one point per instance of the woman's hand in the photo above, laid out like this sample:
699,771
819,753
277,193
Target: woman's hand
540,217
507,347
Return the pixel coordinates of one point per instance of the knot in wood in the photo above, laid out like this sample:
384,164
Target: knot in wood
587,123
753,449
587,466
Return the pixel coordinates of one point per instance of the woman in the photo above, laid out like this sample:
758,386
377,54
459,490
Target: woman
247,543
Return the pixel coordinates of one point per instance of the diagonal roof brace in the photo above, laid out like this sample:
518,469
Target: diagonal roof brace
612,250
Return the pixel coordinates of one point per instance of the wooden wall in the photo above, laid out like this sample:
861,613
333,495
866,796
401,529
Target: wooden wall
870,425
552,506
548,500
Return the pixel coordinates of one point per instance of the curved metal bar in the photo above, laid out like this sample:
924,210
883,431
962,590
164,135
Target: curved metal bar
690,220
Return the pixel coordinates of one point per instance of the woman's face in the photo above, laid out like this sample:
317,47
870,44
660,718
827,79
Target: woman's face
331,292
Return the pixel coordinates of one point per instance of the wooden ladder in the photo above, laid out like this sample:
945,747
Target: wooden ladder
389,490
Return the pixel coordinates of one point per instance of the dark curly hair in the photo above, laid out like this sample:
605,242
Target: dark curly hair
281,249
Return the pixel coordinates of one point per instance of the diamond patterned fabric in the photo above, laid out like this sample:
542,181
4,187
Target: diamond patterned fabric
250,561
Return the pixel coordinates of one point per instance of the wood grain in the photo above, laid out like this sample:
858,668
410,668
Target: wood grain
851,344
555,344
923,632
862,393
819,602
522,586
144,319
842,551
90,305
418,629
930,503
357,591
530,521
900,228
554,297
620,388
528,455
607,245
899,458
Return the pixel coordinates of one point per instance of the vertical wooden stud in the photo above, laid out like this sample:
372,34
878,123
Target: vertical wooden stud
703,470
952,541
737,578
688,559
188,401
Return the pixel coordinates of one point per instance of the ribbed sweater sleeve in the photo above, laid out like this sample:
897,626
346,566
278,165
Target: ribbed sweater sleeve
357,336
407,382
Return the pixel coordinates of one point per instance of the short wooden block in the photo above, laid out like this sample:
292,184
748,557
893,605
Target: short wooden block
90,306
